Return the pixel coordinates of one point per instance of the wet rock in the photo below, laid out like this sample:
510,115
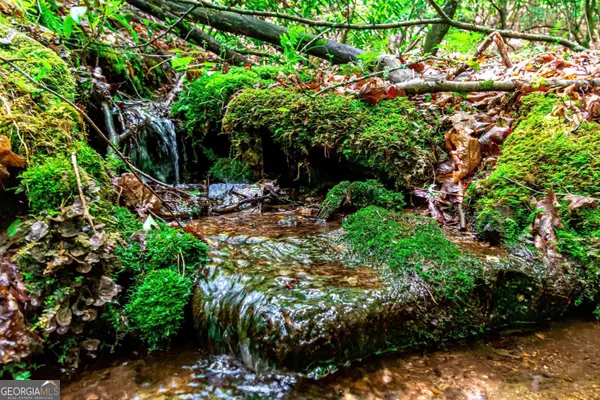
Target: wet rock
309,303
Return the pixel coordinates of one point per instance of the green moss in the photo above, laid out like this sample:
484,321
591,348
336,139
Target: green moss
36,121
391,138
543,153
51,183
202,105
156,306
169,247
356,195
229,170
407,243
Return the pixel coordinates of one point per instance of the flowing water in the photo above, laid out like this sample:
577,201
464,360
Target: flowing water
153,147
559,361
260,264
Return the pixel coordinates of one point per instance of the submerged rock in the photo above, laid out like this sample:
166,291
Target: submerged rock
312,302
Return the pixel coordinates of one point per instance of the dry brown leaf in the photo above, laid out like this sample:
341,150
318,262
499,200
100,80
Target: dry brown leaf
135,194
465,149
545,221
576,201
8,158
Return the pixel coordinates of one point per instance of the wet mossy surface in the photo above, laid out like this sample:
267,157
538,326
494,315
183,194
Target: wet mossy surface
385,282
36,122
351,196
391,140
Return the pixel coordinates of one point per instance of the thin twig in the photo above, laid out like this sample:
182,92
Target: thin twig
86,211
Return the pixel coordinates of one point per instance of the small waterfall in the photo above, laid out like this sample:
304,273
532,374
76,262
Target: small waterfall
153,142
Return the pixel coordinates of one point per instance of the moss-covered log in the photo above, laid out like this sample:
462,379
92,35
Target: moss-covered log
545,153
392,140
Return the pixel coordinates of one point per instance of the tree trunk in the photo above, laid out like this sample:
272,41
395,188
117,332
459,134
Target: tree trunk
437,32
245,25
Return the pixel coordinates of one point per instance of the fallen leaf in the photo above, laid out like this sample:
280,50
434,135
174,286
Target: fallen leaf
464,148
576,202
8,158
544,223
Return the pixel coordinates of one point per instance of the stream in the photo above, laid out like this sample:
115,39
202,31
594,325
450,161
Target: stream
559,361
289,269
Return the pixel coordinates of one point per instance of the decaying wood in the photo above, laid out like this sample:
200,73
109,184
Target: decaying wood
492,38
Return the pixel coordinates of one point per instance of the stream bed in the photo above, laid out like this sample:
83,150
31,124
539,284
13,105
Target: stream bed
558,361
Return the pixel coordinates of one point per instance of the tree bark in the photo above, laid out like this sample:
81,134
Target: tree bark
437,32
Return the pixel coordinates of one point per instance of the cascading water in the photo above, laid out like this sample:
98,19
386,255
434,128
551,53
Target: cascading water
153,142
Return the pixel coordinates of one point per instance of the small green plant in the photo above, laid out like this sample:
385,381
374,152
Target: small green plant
156,306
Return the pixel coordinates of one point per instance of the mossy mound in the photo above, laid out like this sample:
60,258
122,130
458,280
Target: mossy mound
36,122
156,305
544,153
412,244
351,196
392,139
203,104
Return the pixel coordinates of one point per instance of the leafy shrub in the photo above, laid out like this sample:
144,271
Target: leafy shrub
156,306
357,195
229,170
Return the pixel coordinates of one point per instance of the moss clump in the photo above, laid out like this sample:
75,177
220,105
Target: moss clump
203,104
543,153
391,138
36,121
412,244
229,170
156,306
169,247
356,195
51,183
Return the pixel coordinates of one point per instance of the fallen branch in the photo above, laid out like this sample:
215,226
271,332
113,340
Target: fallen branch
505,32
422,86
444,19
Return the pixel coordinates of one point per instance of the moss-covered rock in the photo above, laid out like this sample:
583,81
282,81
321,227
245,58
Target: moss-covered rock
203,104
544,153
386,282
391,139
37,122
351,196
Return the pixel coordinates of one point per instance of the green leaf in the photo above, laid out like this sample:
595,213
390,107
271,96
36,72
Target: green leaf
14,228
181,63
77,12
67,27
283,109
